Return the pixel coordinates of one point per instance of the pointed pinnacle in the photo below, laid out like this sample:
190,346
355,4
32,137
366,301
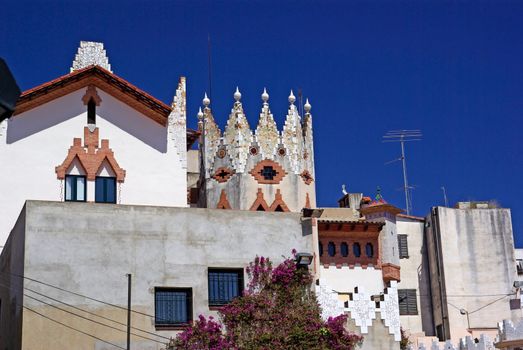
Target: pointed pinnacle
200,113
265,95
237,95
292,98
206,100
307,106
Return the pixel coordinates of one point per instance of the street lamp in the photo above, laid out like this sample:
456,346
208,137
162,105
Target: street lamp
303,260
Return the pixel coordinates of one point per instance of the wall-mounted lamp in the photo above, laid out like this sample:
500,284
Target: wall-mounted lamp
303,260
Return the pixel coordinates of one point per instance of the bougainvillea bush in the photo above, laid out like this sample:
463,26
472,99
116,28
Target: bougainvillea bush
278,310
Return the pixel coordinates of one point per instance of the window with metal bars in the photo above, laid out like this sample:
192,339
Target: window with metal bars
173,307
403,246
407,301
224,285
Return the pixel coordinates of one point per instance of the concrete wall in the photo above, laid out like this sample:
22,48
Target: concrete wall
33,143
474,249
11,286
415,275
89,248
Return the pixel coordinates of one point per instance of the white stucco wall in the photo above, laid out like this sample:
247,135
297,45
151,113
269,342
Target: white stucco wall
414,275
345,279
33,143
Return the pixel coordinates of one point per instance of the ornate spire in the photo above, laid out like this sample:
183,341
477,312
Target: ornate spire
211,135
91,53
177,123
308,144
292,136
267,134
237,135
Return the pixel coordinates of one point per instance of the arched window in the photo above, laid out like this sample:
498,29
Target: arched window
320,248
91,112
344,249
369,250
332,249
356,249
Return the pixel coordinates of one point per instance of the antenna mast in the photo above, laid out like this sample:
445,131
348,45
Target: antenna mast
209,63
403,136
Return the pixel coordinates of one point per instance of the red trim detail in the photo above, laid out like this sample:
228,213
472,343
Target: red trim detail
92,158
223,203
278,202
258,168
91,93
260,201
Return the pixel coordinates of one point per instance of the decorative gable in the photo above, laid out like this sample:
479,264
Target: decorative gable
91,157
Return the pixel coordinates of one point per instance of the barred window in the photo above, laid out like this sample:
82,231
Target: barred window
403,247
173,306
407,301
224,285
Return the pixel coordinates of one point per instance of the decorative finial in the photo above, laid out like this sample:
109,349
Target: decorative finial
307,106
344,190
378,194
91,53
206,100
200,113
237,95
265,95
292,98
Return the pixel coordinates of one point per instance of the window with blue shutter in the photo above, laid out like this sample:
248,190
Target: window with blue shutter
105,189
224,285
173,306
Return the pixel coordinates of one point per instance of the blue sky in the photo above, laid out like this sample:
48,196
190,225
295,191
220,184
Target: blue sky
452,69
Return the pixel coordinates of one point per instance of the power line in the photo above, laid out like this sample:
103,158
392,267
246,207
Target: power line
84,296
90,320
88,312
75,329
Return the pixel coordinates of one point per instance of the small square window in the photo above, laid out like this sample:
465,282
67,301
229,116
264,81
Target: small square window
75,188
173,307
268,172
105,189
403,246
224,285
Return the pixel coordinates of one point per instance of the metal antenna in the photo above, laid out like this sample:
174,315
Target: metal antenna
209,63
403,136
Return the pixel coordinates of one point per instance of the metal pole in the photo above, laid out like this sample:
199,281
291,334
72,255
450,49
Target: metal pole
128,311
405,181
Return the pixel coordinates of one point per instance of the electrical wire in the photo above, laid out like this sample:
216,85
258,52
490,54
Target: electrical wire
90,320
91,313
84,296
75,329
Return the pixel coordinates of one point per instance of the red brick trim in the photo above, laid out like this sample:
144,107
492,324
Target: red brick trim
91,93
258,168
92,158
260,201
223,203
306,177
278,202
223,174
307,201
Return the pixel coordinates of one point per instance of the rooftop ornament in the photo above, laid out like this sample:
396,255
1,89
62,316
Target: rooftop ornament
292,98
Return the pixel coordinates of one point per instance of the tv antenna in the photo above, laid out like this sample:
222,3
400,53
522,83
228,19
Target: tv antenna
403,136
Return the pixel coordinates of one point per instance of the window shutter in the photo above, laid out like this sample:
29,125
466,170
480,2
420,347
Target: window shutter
403,246
402,296
408,304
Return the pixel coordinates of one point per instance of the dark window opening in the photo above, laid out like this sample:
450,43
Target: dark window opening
278,208
403,246
356,249
344,248
224,285
268,172
75,188
173,306
105,189
320,248
91,112
260,208
369,250
407,301
331,249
